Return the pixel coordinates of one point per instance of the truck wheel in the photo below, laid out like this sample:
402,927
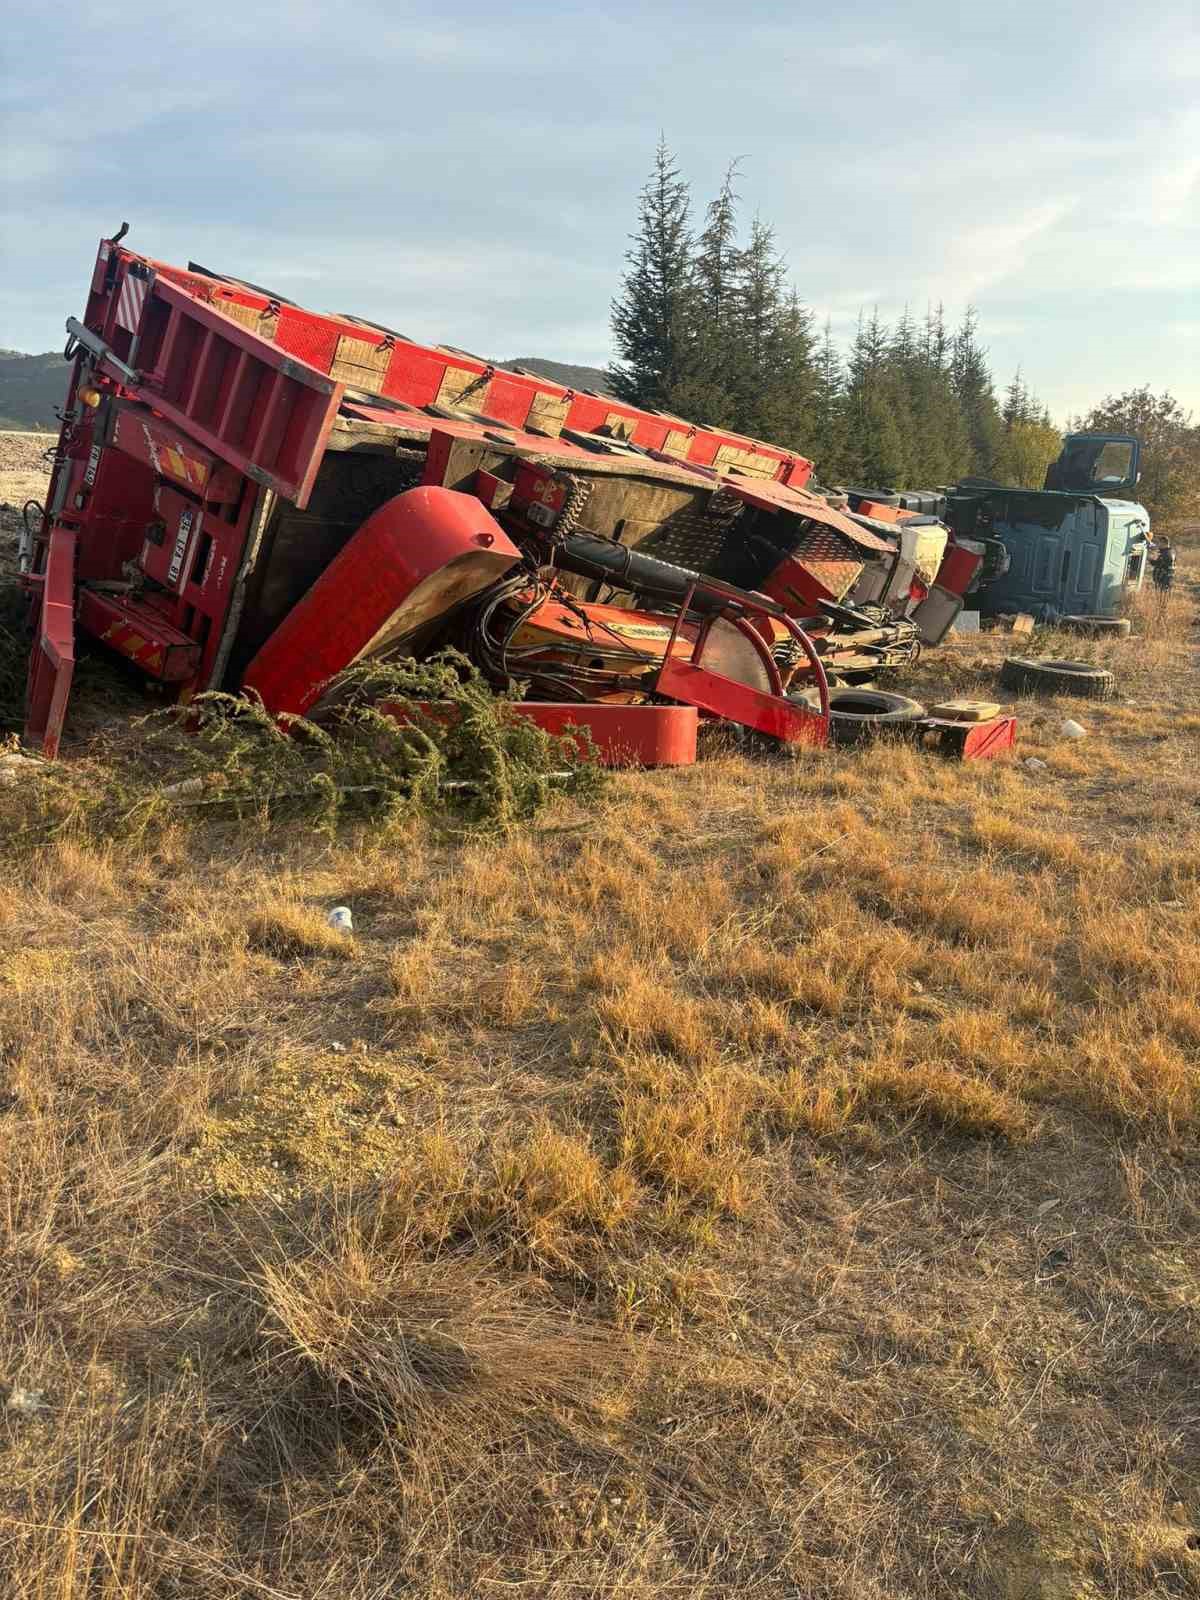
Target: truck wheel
1028,675
858,714
1097,627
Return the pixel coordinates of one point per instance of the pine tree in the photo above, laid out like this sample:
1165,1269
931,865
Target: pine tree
783,411
938,448
876,448
717,259
936,343
1019,404
773,350
1030,441
706,386
712,330
827,436
748,359
902,344
650,318
972,381
868,351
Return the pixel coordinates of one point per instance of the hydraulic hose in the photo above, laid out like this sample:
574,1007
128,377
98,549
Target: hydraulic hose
590,557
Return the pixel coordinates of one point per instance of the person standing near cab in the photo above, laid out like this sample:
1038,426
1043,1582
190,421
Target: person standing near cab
1163,559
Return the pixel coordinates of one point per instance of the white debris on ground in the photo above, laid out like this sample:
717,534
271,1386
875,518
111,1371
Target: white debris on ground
15,767
27,1402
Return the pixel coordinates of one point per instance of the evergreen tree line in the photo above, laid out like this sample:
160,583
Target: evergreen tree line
708,327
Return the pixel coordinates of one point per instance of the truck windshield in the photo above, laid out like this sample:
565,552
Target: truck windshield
1095,463
1114,464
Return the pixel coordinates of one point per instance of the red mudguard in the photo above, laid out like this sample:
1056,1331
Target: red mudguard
412,563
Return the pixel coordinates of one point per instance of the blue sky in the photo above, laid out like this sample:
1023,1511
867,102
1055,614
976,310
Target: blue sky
469,175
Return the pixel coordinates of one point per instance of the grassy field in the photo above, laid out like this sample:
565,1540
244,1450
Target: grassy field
779,1178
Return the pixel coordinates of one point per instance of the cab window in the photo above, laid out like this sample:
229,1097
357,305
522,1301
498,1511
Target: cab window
1114,464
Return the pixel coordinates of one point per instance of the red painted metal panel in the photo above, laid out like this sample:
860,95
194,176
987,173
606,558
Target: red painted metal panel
958,568
235,393
703,446
798,583
52,659
882,513
722,697
142,634
509,397
313,339
413,375
163,448
971,741
621,735
987,739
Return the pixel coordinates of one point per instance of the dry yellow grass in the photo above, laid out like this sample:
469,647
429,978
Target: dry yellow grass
781,1181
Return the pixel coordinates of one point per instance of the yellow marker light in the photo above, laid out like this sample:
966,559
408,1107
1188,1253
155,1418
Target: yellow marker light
88,397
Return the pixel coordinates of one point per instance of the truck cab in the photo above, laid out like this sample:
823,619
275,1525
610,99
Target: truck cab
1074,546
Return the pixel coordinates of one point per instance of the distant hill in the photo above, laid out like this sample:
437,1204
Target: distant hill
30,388
563,372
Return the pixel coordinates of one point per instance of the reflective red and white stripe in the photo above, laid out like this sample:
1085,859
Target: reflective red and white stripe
130,301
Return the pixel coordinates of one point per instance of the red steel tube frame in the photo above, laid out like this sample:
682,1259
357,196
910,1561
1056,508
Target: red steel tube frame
818,666
746,627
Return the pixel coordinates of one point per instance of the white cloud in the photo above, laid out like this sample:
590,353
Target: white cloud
471,175
981,254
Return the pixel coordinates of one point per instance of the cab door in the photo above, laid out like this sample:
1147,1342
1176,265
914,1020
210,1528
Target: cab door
1082,592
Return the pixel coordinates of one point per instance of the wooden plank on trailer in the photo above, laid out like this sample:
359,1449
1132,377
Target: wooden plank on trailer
547,414
262,322
619,426
379,438
753,465
456,381
360,364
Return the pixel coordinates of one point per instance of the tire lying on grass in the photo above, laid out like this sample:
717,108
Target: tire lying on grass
1098,627
858,714
1028,675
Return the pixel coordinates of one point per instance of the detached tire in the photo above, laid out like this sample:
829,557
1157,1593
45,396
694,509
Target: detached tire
1028,675
1099,627
859,714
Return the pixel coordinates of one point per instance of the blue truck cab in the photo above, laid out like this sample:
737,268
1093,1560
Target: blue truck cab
1071,548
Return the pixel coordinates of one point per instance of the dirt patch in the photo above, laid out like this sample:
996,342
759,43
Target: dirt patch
24,470
24,475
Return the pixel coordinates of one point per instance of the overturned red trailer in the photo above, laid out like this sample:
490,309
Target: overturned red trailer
248,495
